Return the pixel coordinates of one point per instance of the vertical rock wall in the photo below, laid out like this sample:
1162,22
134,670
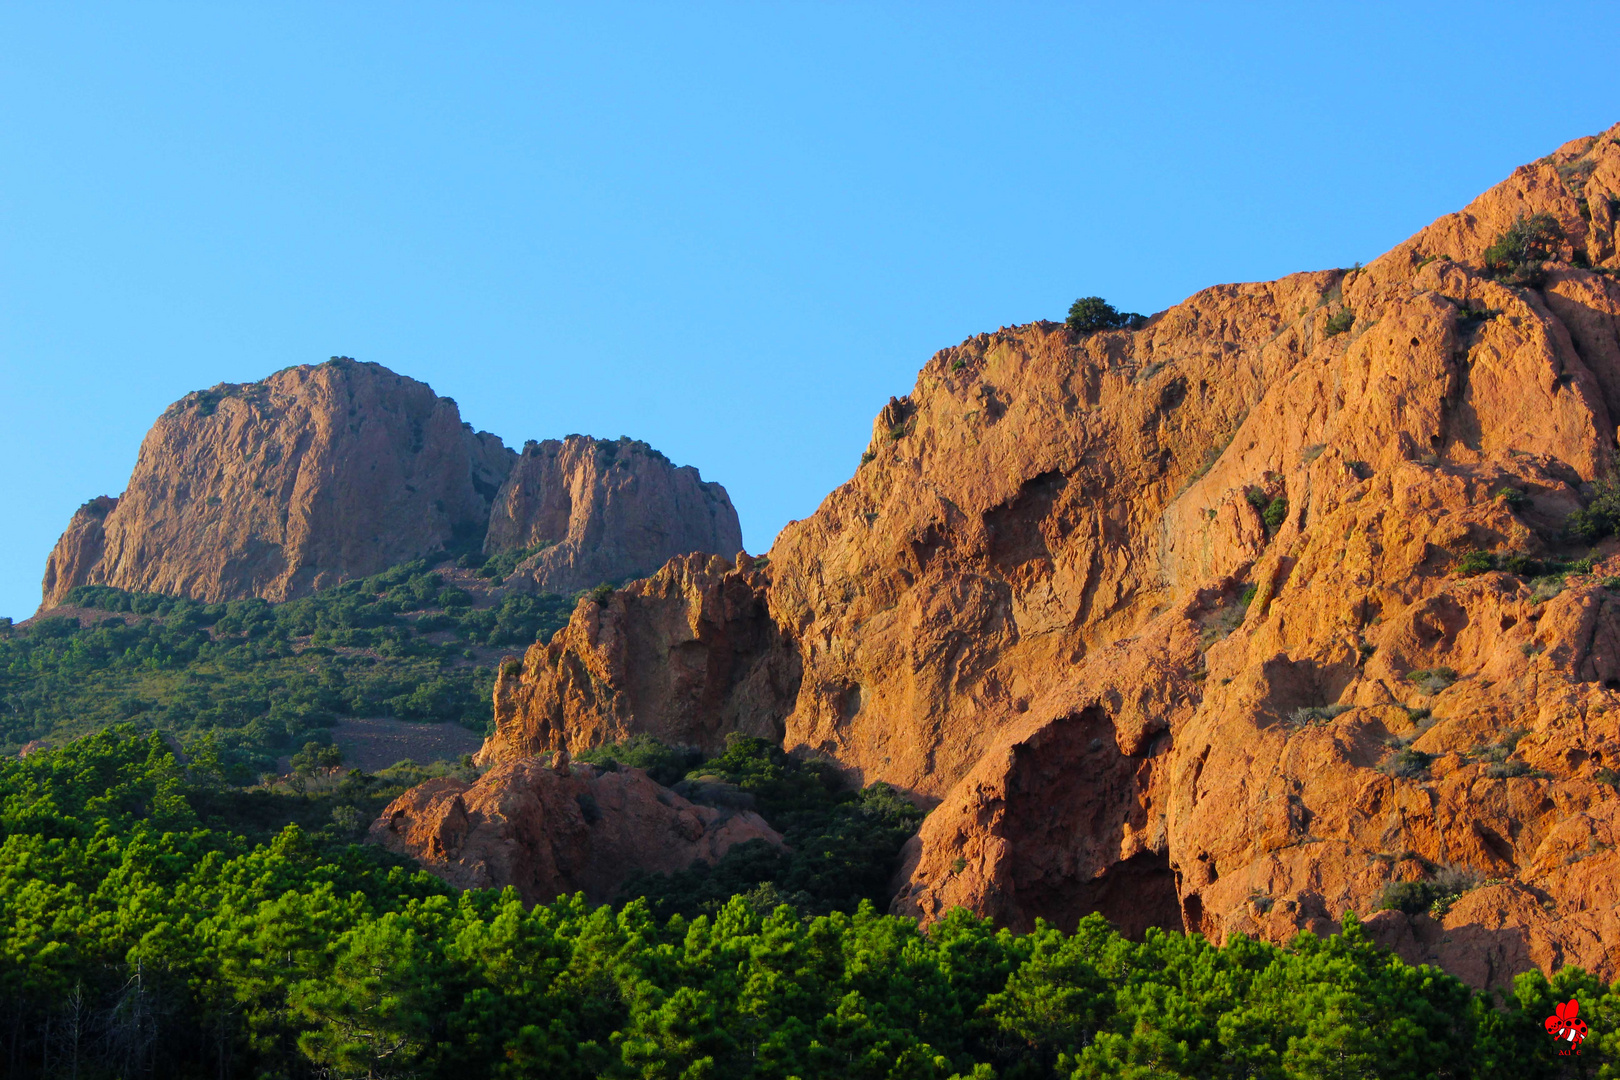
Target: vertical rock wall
605,511
281,487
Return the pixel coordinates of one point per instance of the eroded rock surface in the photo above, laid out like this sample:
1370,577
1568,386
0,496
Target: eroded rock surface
278,488
605,511
1280,791
1171,623
552,831
687,655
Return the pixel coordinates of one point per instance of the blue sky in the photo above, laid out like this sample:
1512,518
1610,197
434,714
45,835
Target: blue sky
730,230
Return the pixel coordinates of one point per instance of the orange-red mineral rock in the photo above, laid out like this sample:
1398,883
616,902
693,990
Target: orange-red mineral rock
604,511
1227,623
687,655
277,488
550,831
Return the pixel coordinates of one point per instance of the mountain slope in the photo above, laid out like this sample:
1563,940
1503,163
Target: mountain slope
1235,620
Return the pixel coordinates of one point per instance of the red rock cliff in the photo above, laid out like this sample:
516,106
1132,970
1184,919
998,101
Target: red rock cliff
328,472
1171,622
688,655
550,831
278,488
606,511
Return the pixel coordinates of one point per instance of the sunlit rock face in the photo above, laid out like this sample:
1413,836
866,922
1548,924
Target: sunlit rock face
1174,623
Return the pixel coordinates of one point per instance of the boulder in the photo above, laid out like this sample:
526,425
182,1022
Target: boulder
549,828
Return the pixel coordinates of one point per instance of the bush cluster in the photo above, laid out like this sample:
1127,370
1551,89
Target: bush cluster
1517,256
1601,516
1089,314
842,846
1409,764
1273,510
1434,895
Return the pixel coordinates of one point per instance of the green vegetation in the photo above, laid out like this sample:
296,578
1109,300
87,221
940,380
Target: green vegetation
1516,256
1513,498
1307,715
263,678
1273,510
1474,562
142,934
1090,314
1340,322
843,845
1434,895
667,765
1600,517
1470,318
1432,680
1409,764
502,563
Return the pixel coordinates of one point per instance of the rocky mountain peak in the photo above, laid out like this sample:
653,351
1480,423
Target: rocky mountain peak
326,472
594,510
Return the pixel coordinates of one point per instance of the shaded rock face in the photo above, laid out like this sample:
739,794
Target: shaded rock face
687,655
550,831
77,555
606,511
1147,613
334,471
282,487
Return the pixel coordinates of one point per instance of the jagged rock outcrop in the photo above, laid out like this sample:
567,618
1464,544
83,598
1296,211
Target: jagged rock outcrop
77,556
1174,623
277,488
605,511
687,655
551,830
333,471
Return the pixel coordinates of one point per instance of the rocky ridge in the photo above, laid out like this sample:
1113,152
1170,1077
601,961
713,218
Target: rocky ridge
1181,623
323,473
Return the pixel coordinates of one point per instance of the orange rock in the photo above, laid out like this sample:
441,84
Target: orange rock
687,655
323,473
1392,443
554,830
608,510
278,488
1147,614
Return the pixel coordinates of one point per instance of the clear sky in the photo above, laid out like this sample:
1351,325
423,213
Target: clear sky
730,230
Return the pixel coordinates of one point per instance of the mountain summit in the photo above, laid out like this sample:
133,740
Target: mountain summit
327,472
